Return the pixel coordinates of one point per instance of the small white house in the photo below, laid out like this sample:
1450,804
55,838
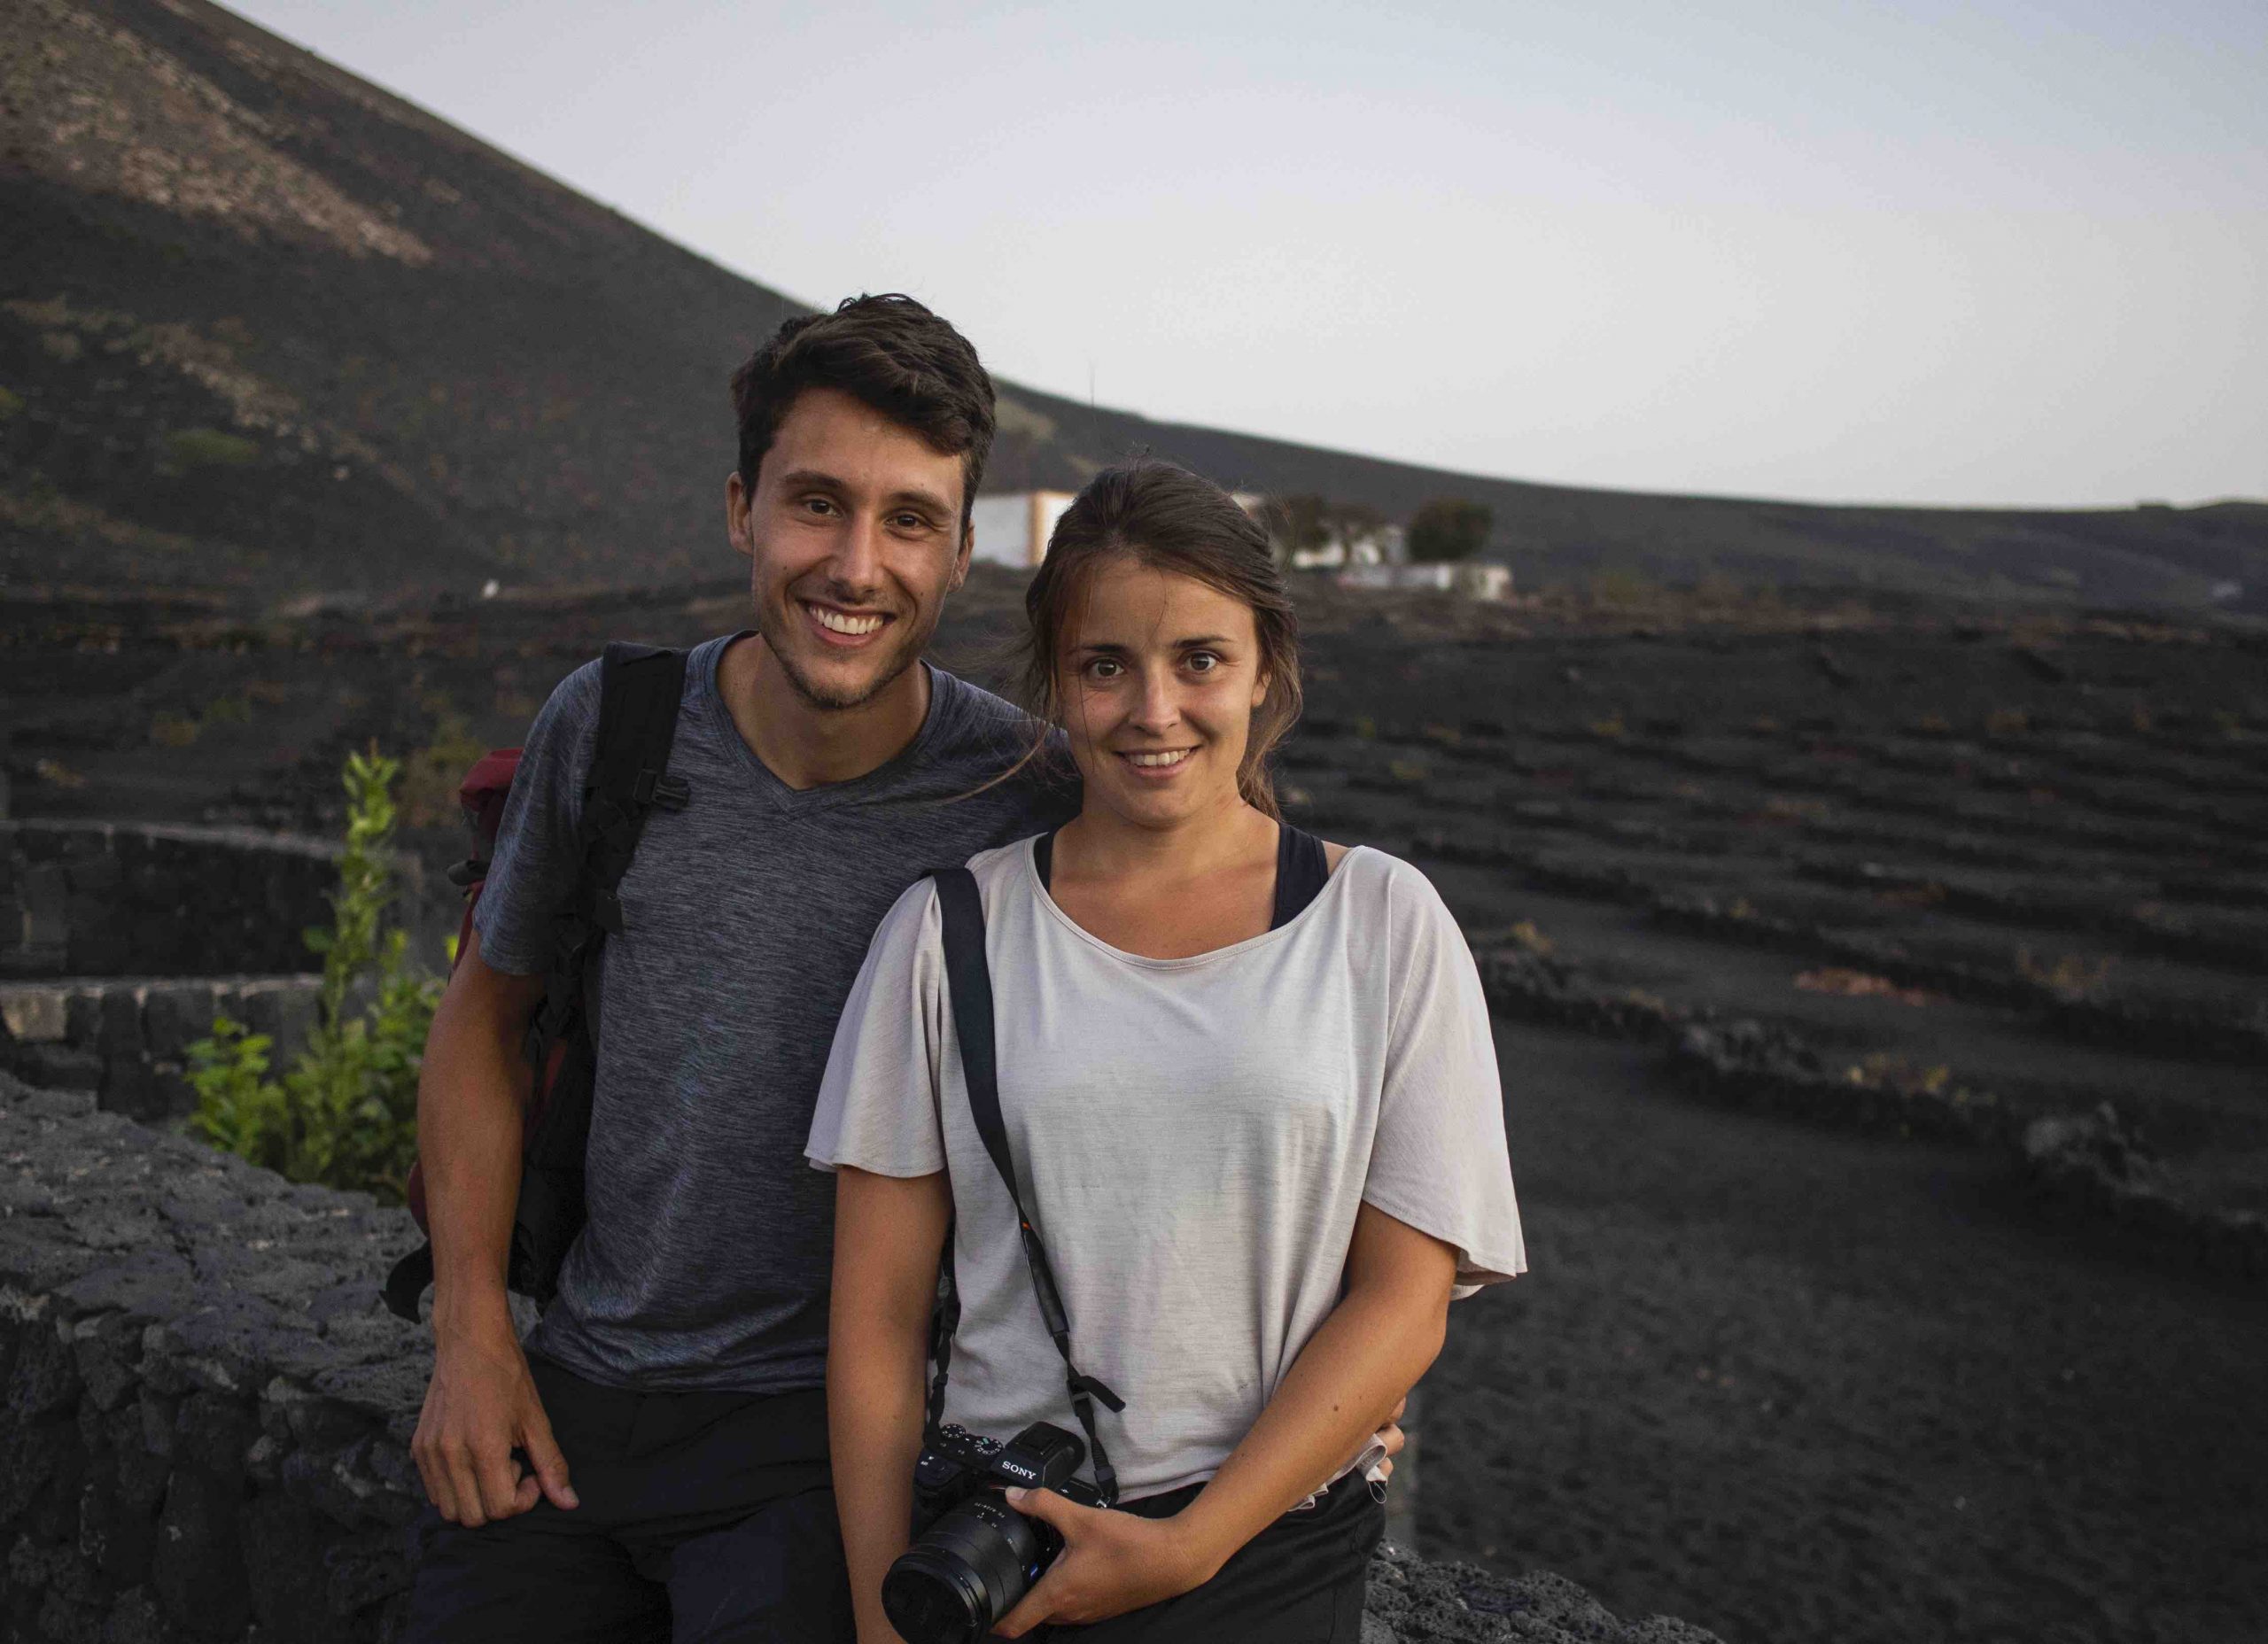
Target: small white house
1013,529
1472,580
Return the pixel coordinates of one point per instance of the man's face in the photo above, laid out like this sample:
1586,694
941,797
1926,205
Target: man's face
854,538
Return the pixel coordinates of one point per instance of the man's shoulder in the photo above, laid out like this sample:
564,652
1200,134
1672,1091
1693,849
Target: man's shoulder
972,714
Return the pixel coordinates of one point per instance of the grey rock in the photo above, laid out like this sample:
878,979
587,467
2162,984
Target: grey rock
197,1565
175,1015
134,1619
146,1284
43,1380
30,1455
102,1347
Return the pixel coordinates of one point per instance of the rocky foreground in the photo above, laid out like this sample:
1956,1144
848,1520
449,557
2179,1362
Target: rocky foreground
207,1412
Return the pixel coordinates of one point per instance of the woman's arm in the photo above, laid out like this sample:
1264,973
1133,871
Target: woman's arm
890,1233
1344,1384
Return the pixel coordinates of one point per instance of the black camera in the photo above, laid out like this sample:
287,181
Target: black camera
973,1556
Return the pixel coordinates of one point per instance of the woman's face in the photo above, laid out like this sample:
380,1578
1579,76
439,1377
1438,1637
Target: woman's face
1159,675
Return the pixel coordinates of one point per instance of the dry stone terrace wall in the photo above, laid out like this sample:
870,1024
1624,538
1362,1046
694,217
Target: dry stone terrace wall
205,1412
119,943
86,899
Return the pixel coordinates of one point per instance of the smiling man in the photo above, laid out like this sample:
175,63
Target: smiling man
670,1405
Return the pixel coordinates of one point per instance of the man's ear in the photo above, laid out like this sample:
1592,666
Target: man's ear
737,503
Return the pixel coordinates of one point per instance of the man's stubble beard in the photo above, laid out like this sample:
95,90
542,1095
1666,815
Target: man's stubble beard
819,696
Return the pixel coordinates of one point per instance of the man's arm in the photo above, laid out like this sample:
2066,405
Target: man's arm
481,1404
890,1233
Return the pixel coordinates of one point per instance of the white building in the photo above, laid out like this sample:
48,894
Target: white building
1014,529
1472,579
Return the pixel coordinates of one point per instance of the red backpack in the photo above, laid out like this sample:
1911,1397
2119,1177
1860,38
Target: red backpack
640,689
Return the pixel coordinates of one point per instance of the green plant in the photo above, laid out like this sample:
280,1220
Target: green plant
344,1114
191,448
429,785
1447,529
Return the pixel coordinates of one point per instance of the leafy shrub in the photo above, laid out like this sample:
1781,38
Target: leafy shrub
344,1114
191,448
429,785
1447,529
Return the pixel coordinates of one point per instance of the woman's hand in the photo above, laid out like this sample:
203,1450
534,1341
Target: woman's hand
1111,1562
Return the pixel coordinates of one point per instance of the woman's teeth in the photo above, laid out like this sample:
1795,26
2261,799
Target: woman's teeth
1152,762
840,624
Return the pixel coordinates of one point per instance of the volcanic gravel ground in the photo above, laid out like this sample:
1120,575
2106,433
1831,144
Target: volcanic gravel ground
1798,1385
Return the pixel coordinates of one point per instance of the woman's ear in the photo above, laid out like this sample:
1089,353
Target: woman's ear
1260,690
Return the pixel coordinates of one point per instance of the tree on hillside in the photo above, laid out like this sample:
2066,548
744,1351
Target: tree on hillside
1447,528
1305,523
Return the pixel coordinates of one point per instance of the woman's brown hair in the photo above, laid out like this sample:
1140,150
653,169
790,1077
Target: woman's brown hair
1163,516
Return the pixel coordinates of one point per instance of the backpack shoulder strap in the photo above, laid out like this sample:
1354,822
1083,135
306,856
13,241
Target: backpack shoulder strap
641,687
969,979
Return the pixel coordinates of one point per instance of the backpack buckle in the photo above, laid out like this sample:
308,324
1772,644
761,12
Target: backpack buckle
653,787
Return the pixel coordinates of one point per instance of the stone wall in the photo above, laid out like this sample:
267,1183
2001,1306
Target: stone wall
119,943
118,899
125,1039
205,1412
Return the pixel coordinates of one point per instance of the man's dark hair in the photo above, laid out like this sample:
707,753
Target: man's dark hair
888,352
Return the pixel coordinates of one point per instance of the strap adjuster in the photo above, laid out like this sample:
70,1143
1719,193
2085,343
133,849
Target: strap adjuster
654,787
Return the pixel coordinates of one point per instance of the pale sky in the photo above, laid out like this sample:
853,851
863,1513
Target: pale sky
1934,252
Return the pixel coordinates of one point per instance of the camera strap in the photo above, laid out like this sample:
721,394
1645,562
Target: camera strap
969,979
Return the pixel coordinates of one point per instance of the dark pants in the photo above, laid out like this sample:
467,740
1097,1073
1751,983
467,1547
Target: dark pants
1300,1581
705,1518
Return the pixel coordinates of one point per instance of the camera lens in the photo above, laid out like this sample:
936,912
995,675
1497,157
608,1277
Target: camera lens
965,1572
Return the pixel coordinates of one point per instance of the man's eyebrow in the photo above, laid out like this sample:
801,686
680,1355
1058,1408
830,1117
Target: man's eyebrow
917,498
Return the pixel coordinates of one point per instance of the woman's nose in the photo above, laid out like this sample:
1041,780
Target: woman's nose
1160,707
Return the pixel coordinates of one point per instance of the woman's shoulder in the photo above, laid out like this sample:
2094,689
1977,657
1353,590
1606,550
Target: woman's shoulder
1370,872
1390,900
1001,862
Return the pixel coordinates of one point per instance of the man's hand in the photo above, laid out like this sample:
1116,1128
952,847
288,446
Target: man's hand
1111,1562
480,1407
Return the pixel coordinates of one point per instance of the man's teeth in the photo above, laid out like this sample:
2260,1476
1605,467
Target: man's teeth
1152,761
841,623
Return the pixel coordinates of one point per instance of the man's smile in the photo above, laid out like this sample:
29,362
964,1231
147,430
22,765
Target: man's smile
839,626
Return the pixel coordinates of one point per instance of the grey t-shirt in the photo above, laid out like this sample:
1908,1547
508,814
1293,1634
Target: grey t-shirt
706,1260
1192,1137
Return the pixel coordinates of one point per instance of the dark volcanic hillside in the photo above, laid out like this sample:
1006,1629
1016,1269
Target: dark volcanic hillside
264,326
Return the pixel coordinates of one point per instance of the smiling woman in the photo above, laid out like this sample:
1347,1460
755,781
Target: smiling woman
1248,1080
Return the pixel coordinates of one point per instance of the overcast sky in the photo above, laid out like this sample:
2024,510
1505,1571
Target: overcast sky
1928,252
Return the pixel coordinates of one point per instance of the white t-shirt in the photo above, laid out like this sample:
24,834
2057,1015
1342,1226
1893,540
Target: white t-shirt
1191,1137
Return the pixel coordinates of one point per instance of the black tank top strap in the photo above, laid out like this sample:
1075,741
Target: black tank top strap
1301,870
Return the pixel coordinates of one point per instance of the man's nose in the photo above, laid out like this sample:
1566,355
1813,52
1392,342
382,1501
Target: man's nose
857,564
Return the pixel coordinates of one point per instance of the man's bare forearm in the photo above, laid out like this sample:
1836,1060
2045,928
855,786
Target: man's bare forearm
469,1129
